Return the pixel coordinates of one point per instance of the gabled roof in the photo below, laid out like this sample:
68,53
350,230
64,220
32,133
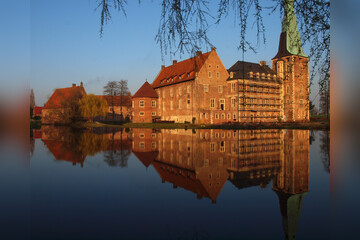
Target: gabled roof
63,151
146,158
146,90
61,96
241,70
37,110
125,101
181,71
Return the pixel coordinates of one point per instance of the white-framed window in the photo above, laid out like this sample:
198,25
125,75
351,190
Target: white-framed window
217,75
180,103
206,88
220,89
171,105
141,113
222,104
188,89
233,102
229,116
216,116
171,92
217,66
206,115
141,103
153,135
287,89
223,116
141,135
234,116
153,113
233,87
142,145
212,102
301,103
133,104
153,145
188,104
209,74
212,147
180,91
206,162
153,103
209,65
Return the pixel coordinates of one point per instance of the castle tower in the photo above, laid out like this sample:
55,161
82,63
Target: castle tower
291,65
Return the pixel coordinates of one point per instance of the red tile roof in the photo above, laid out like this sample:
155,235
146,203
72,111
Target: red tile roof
181,71
61,95
146,90
126,100
64,151
37,111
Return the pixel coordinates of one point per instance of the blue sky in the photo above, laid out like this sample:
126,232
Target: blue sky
57,43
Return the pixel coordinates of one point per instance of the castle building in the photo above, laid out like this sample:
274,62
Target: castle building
144,104
201,90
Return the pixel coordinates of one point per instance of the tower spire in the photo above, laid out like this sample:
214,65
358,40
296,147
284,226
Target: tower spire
290,42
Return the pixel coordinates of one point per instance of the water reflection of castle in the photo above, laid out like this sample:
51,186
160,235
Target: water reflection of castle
201,161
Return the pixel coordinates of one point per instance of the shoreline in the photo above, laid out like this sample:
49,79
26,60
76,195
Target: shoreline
313,125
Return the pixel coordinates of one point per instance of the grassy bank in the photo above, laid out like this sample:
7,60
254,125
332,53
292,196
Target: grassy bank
313,125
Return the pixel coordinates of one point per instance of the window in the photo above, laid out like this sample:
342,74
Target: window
222,104
217,75
280,69
229,116
220,88
206,88
223,116
233,102
222,146
233,87
171,92
209,65
153,103
206,115
171,105
216,116
234,117
153,113
206,162
180,91
231,74
287,89
188,89
217,66
301,103
153,135
142,145
251,74
212,147
188,104
301,88
141,135
209,74
133,104
153,145
141,103
179,103
212,102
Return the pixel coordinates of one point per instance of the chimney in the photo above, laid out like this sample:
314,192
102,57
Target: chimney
174,62
162,67
73,85
213,49
81,84
262,63
198,53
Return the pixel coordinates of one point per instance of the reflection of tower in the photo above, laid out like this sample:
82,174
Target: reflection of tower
144,145
292,183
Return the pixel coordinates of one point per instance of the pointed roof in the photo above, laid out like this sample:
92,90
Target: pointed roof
290,41
146,158
61,96
146,90
180,71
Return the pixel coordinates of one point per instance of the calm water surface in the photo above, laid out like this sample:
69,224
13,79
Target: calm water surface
172,184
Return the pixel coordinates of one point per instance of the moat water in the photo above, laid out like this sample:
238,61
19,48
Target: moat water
168,184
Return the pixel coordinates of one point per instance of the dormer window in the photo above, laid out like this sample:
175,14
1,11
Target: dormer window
172,79
179,77
251,74
188,75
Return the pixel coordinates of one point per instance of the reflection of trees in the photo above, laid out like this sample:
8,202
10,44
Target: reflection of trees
312,137
91,144
32,143
117,158
325,149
